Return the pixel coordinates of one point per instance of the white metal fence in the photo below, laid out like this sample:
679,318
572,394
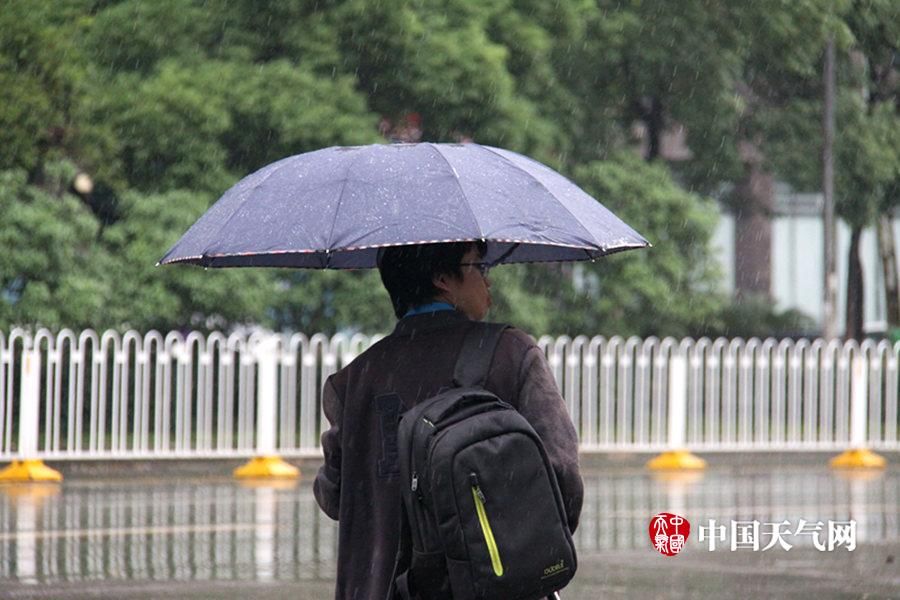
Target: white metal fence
125,396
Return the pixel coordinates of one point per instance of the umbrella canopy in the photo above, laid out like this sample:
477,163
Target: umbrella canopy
334,208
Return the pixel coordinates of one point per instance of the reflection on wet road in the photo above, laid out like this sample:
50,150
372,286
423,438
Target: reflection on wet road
189,538
164,531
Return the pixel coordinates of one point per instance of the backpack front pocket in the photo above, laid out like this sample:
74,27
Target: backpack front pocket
506,520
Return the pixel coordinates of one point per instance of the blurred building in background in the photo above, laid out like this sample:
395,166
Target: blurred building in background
798,259
775,248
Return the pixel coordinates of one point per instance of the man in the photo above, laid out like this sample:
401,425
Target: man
437,291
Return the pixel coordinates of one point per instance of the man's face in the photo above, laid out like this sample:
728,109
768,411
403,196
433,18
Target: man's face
472,292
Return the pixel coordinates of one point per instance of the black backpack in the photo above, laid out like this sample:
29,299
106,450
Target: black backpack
481,503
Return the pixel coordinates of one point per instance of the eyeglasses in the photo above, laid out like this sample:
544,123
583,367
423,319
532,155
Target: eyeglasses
483,267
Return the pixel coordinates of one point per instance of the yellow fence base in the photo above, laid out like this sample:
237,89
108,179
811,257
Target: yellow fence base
29,470
267,467
676,460
858,459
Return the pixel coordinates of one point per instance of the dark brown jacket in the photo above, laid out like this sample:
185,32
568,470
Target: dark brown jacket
359,484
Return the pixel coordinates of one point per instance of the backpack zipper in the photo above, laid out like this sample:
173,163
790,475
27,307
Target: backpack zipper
479,498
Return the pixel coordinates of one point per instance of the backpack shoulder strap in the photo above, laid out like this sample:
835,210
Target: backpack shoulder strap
476,354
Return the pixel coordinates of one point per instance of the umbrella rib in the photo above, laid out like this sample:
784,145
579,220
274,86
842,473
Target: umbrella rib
461,190
240,205
551,194
337,209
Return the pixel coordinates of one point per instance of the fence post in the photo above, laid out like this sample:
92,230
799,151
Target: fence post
678,457
266,463
858,456
27,467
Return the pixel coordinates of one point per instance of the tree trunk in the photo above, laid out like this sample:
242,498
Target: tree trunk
649,110
754,205
855,292
887,251
655,125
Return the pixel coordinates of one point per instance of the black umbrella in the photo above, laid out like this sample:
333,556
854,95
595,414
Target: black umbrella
334,208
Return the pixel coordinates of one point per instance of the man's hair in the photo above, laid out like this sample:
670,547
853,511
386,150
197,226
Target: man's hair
407,271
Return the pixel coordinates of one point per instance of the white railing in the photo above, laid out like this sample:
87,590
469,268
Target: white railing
714,395
125,396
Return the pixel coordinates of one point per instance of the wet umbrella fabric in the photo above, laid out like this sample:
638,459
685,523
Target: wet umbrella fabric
334,208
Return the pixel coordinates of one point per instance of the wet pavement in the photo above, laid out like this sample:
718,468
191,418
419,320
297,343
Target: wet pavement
180,537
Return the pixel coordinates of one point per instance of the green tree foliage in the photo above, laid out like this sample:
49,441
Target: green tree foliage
329,301
150,117
672,289
867,161
438,62
684,72
134,36
49,270
279,109
42,91
240,116
143,295
166,104
754,317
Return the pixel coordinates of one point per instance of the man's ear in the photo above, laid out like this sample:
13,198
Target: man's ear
440,282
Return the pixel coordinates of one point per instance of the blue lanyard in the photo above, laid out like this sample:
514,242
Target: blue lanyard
428,308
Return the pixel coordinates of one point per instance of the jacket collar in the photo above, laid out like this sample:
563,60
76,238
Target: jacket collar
415,324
